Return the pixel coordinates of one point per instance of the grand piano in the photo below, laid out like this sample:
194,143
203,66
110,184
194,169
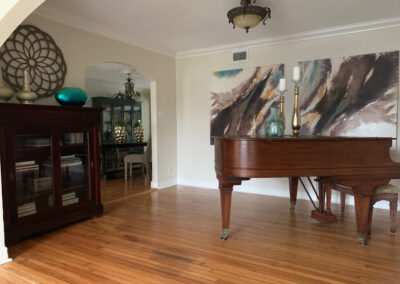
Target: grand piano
360,163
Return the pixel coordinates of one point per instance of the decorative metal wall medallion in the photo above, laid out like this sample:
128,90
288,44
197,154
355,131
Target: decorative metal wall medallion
31,48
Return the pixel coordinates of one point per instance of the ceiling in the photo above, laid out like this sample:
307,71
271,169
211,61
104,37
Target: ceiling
109,73
176,26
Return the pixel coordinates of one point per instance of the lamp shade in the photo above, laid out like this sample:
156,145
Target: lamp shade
247,21
248,16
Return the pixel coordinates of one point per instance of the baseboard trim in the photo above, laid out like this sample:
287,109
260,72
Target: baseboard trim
163,184
4,256
272,192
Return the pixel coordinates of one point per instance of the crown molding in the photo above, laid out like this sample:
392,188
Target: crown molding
316,34
310,35
81,24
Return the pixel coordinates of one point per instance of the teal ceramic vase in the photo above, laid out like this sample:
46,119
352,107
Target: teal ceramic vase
274,126
71,97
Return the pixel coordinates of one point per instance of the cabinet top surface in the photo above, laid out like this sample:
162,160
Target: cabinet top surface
19,115
29,107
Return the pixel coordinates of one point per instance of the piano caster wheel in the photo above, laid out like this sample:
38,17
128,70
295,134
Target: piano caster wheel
292,205
363,239
225,233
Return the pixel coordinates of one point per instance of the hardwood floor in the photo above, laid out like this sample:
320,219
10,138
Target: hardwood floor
172,236
116,189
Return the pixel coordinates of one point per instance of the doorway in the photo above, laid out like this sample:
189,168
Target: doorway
106,85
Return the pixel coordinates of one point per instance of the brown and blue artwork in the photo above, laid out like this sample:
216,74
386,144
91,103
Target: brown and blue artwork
350,96
242,98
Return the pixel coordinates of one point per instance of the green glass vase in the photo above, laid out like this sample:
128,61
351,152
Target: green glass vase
274,126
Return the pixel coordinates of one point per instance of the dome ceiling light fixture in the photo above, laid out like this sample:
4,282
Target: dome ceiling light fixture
247,16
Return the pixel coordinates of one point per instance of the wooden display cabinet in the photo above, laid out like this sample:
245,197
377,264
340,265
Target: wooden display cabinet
50,167
116,110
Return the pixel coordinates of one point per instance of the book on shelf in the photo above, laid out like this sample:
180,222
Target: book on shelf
70,201
70,195
26,213
70,160
27,168
71,163
27,209
24,164
73,138
37,142
41,184
67,157
67,199
66,161
27,205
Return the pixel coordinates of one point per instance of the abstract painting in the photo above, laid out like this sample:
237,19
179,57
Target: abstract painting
242,98
350,96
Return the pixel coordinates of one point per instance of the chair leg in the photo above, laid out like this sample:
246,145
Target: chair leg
393,215
130,169
342,202
126,170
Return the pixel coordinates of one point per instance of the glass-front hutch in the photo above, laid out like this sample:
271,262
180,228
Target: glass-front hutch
118,111
50,164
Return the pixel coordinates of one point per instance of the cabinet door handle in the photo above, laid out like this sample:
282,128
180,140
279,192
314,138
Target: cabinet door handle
92,164
11,176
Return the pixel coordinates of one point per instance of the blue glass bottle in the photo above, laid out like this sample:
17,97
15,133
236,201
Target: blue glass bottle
274,126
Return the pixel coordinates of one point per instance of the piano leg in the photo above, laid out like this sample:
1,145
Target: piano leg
293,185
226,197
225,188
362,205
362,198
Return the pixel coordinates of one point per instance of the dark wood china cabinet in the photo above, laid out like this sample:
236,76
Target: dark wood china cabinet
49,167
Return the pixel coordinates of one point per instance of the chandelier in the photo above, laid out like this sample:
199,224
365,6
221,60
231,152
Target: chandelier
129,93
247,16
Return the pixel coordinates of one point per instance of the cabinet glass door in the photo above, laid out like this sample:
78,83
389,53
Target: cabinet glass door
75,182
117,111
128,121
34,174
107,125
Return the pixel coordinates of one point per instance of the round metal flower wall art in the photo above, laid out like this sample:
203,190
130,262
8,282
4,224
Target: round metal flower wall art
31,48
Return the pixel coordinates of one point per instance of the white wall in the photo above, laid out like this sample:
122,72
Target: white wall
193,76
12,13
82,49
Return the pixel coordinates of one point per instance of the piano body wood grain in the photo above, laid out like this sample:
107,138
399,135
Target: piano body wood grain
360,163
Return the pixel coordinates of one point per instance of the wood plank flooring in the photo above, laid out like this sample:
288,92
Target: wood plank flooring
116,189
172,236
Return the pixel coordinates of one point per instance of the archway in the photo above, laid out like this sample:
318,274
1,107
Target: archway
158,68
102,82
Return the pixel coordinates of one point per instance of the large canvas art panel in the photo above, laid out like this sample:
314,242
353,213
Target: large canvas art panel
242,98
350,96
